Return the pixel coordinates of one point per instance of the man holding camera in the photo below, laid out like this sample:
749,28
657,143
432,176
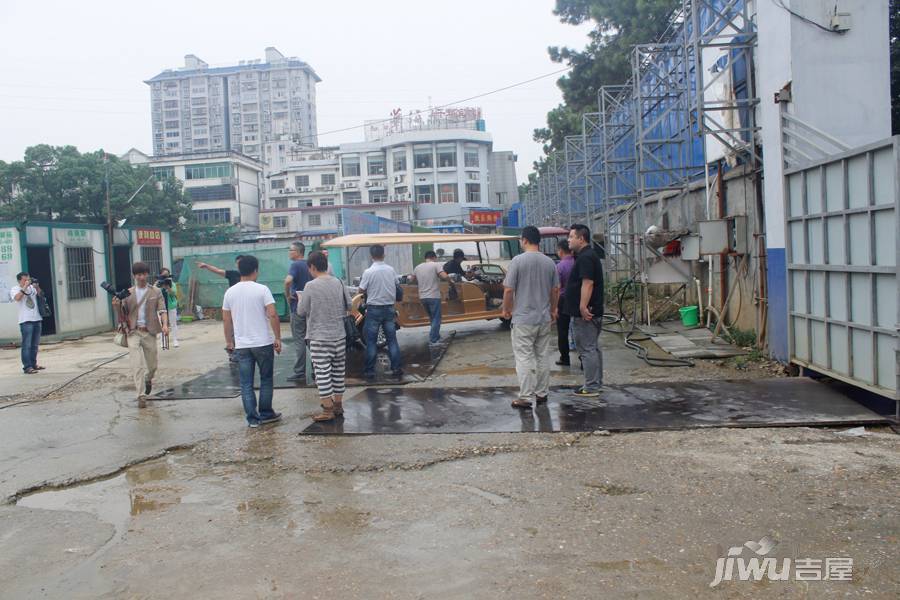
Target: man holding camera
170,293
26,295
145,316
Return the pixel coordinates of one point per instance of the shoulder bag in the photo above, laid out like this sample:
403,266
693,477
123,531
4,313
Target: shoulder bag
121,337
350,330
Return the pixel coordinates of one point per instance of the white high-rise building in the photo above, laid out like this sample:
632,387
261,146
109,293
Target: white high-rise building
241,108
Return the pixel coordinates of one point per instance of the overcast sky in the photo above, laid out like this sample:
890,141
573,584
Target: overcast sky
73,72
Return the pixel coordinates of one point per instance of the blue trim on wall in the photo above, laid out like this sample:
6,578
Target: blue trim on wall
778,309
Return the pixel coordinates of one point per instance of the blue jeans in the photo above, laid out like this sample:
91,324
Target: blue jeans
31,336
433,308
248,359
376,318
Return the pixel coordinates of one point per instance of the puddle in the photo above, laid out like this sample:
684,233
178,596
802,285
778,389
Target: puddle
115,500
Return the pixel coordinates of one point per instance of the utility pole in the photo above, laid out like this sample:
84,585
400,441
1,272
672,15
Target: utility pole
111,262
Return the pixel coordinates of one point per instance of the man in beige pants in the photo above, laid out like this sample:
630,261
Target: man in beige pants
146,316
530,296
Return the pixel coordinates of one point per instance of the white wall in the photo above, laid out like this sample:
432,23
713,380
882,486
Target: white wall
87,313
10,264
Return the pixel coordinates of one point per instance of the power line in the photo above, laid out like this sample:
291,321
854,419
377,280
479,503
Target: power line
504,88
808,20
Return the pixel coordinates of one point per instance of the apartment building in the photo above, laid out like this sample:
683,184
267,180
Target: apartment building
504,189
224,187
430,170
198,108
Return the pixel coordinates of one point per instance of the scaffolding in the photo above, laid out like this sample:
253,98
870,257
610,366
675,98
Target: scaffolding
690,102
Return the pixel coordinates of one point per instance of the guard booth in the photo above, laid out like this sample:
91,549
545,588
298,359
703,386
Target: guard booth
70,261
145,244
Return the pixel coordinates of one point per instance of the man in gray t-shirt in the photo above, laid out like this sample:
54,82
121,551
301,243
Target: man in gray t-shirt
428,277
530,295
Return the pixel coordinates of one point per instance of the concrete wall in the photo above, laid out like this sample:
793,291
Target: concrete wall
840,84
10,264
88,313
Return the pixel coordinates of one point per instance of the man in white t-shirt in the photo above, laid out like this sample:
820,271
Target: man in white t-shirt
25,295
253,331
428,277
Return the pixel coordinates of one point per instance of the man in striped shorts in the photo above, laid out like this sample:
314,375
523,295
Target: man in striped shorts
323,304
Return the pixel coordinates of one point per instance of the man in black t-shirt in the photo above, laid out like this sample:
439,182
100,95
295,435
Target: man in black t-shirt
454,266
584,303
233,276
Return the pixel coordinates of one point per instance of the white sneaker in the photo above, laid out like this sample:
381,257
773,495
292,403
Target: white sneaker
175,344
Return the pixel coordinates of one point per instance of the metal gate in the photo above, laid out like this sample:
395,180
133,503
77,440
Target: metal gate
843,248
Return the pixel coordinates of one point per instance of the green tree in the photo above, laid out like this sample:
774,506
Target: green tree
60,183
606,60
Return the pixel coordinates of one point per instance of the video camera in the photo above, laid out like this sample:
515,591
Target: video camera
121,294
164,281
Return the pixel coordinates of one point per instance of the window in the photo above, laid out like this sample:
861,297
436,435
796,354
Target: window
375,163
211,192
152,255
396,215
280,222
280,203
501,197
301,181
378,196
473,192
277,184
326,202
448,193
425,194
328,179
207,171
350,166
80,273
173,134
172,125
213,216
171,103
422,158
338,219
471,158
446,155
400,192
314,220
399,160
352,198
162,173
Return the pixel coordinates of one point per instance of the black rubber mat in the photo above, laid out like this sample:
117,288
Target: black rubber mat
419,361
652,406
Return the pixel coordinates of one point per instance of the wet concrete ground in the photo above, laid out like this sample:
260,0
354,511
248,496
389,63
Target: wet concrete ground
237,513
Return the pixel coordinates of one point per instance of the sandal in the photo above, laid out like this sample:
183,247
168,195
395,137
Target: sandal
327,413
519,403
337,408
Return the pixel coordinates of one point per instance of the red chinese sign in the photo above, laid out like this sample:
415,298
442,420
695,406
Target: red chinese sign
149,237
484,217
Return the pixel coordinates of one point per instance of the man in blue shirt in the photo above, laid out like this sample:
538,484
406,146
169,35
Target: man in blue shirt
379,284
298,277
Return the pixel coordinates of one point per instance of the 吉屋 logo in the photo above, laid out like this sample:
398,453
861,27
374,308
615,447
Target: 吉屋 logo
758,566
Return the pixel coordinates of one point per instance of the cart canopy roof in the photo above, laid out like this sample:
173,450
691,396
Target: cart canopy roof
370,239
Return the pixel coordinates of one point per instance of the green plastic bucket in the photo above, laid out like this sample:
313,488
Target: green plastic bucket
690,316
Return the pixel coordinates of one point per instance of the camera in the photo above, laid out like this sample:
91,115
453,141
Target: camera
35,281
121,295
164,281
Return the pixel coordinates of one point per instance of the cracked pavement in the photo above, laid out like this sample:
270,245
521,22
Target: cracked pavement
180,499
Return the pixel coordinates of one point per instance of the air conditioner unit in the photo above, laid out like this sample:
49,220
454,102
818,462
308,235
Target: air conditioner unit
281,191
306,189
398,178
288,190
